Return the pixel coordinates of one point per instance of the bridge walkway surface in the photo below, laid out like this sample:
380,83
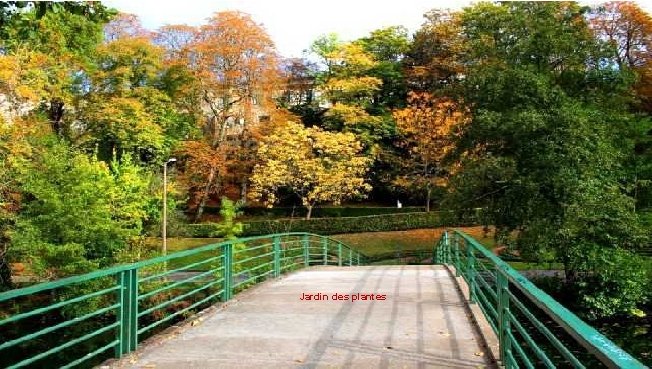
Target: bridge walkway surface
423,322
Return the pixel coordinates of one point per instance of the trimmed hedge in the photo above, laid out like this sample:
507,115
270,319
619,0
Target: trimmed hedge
327,226
320,212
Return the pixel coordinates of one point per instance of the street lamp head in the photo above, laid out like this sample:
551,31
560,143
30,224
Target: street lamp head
171,160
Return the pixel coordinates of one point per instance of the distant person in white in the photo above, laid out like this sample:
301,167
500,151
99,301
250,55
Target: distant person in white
398,204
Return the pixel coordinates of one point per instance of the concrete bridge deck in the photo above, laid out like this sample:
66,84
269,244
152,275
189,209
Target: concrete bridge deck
424,322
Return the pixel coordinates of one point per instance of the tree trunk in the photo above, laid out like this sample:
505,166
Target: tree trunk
426,169
309,207
56,116
243,192
5,273
570,273
204,196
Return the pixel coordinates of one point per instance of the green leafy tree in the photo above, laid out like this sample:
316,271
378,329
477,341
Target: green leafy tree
62,37
543,153
77,213
129,107
388,46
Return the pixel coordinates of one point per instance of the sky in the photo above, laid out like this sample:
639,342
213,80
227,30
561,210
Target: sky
295,24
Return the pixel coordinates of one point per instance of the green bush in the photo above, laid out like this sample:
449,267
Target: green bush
320,212
326,226
619,284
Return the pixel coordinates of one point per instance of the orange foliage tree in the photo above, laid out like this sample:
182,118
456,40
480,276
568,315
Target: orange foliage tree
235,73
425,129
436,56
628,28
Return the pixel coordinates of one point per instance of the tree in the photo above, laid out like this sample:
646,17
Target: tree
628,30
435,59
543,153
125,109
348,88
299,91
22,81
425,128
15,148
388,46
361,82
174,38
77,213
234,65
63,36
316,165
124,25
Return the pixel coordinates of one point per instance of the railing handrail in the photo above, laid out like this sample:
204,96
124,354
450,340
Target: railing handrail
595,342
44,286
142,299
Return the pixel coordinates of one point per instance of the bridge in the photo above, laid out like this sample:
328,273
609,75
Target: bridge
299,300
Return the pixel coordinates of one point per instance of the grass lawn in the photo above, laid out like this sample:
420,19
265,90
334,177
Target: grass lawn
377,243
175,244
180,244
369,243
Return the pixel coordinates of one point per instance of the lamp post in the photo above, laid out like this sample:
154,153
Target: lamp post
165,204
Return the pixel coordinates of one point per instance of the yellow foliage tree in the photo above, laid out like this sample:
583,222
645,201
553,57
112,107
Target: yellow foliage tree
23,80
425,129
316,165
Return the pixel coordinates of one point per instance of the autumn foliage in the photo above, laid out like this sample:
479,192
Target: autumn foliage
426,128
234,72
315,165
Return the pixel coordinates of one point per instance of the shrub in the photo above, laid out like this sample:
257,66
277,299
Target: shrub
326,226
619,284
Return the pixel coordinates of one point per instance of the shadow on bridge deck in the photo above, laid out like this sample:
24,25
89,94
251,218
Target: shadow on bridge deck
423,323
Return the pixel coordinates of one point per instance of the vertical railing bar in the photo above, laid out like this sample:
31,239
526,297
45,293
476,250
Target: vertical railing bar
503,316
306,254
277,256
133,311
456,243
470,259
120,313
339,254
227,251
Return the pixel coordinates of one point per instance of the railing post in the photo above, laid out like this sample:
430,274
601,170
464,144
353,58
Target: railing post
350,257
470,271
502,284
456,243
306,253
357,257
446,252
227,251
339,254
277,256
128,312
325,249
440,251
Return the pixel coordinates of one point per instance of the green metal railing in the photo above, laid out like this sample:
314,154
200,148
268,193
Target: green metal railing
522,315
116,308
